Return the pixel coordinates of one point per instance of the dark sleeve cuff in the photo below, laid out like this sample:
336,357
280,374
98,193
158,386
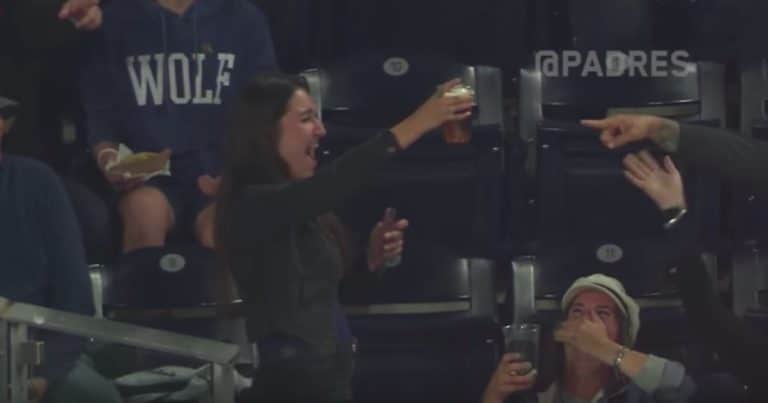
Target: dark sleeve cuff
390,142
725,154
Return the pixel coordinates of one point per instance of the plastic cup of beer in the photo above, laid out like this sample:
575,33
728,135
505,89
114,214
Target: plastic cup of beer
458,132
523,339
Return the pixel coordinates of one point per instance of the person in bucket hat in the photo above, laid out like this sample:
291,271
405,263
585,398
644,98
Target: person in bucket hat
630,312
595,360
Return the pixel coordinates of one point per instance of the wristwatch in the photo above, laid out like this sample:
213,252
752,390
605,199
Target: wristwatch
672,216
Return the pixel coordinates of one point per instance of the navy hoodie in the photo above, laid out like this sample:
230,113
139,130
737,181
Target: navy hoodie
160,80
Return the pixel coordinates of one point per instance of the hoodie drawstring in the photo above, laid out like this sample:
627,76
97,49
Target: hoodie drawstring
194,13
195,45
164,26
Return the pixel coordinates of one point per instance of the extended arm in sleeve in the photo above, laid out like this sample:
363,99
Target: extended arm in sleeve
743,350
260,211
733,157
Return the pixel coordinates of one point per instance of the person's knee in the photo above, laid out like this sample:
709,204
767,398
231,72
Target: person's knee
147,218
146,207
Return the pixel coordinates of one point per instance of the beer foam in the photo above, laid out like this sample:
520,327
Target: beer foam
463,91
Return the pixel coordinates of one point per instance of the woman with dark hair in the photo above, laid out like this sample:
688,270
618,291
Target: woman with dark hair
275,231
595,361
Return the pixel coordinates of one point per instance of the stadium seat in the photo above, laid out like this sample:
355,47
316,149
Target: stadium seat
535,287
625,24
748,213
427,329
451,193
750,280
589,217
591,24
299,29
754,97
170,288
696,96
173,288
751,30
486,32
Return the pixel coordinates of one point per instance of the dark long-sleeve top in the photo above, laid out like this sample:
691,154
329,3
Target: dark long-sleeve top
286,268
733,157
42,261
743,350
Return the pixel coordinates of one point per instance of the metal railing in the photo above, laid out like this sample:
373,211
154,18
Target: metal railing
18,354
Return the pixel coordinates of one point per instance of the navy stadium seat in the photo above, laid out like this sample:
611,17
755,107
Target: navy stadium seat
752,29
591,24
750,279
175,288
713,29
589,218
299,29
451,193
624,24
748,214
427,330
754,98
486,32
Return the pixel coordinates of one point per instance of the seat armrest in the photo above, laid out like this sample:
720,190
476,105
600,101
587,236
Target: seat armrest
521,289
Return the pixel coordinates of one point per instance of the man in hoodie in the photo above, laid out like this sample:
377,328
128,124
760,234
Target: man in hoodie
162,79
44,264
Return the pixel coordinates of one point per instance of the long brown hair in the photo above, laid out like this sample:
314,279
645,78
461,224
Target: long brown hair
252,156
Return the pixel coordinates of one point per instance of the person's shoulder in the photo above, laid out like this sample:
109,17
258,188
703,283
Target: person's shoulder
122,14
117,7
33,172
27,165
247,19
247,11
